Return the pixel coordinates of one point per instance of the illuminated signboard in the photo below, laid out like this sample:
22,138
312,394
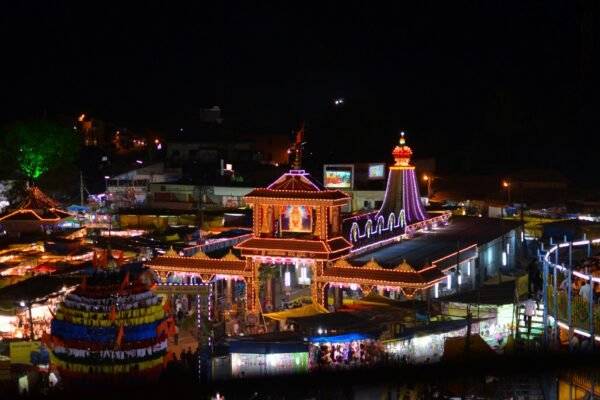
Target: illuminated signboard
296,219
376,171
339,176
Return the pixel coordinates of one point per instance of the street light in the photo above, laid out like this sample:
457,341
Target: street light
506,184
429,179
106,178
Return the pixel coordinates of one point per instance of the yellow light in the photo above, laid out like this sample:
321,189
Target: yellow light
425,177
156,141
81,117
505,183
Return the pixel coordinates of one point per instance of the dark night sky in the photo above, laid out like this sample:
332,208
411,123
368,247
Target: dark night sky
485,86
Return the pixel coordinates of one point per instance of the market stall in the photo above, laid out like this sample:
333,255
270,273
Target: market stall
343,351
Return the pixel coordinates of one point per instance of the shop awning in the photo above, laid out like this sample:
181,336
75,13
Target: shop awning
304,311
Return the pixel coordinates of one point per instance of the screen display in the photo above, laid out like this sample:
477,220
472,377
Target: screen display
296,219
376,171
339,176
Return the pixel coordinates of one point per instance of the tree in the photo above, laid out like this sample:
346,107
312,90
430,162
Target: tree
36,147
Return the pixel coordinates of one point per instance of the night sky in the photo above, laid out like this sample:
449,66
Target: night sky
484,86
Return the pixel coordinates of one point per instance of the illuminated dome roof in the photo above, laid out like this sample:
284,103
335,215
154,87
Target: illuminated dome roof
402,153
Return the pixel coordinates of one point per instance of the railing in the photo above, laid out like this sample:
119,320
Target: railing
571,312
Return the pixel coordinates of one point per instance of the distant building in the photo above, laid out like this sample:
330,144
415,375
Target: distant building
91,131
180,196
131,188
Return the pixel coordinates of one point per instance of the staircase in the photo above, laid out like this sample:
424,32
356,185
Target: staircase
537,325
522,388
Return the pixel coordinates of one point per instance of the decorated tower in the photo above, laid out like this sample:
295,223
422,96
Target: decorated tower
402,202
110,331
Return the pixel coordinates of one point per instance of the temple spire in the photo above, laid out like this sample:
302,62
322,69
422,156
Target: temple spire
402,153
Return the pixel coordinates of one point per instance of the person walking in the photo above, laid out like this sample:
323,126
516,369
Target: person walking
529,313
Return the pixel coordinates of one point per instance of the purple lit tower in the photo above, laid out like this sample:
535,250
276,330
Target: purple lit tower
402,200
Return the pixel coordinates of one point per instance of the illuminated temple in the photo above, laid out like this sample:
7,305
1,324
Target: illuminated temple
300,235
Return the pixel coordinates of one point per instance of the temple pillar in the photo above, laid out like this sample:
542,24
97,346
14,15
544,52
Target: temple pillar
215,307
323,222
338,297
251,295
319,293
228,294
269,295
335,221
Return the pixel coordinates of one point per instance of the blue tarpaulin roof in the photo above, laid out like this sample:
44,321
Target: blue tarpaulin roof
75,207
348,337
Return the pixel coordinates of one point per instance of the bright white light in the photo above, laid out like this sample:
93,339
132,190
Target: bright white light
353,286
303,276
449,284
22,303
469,268
320,331
581,333
459,280
288,279
437,290
507,248
504,259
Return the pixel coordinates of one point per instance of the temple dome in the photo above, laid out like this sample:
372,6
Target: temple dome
402,153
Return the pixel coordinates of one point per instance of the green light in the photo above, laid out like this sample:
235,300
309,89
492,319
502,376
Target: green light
38,147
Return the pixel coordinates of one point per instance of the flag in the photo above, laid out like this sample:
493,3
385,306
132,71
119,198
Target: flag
120,335
300,135
120,259
113,314
168,357
46,339
173,329
57,342
162,328
95,260
125,282
167,306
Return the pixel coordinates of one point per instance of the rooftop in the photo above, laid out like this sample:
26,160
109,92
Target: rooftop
430,246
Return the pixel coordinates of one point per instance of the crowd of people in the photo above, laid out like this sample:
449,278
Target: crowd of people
582,287
349,354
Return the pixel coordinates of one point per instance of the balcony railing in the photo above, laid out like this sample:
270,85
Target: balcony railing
573,313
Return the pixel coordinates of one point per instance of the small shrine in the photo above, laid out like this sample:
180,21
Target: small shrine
38,213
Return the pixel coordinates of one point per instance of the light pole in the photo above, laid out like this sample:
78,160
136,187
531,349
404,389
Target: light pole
506,184
29,304
106,178
429,180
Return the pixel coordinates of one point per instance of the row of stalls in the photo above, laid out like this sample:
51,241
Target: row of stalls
376,329
290,352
